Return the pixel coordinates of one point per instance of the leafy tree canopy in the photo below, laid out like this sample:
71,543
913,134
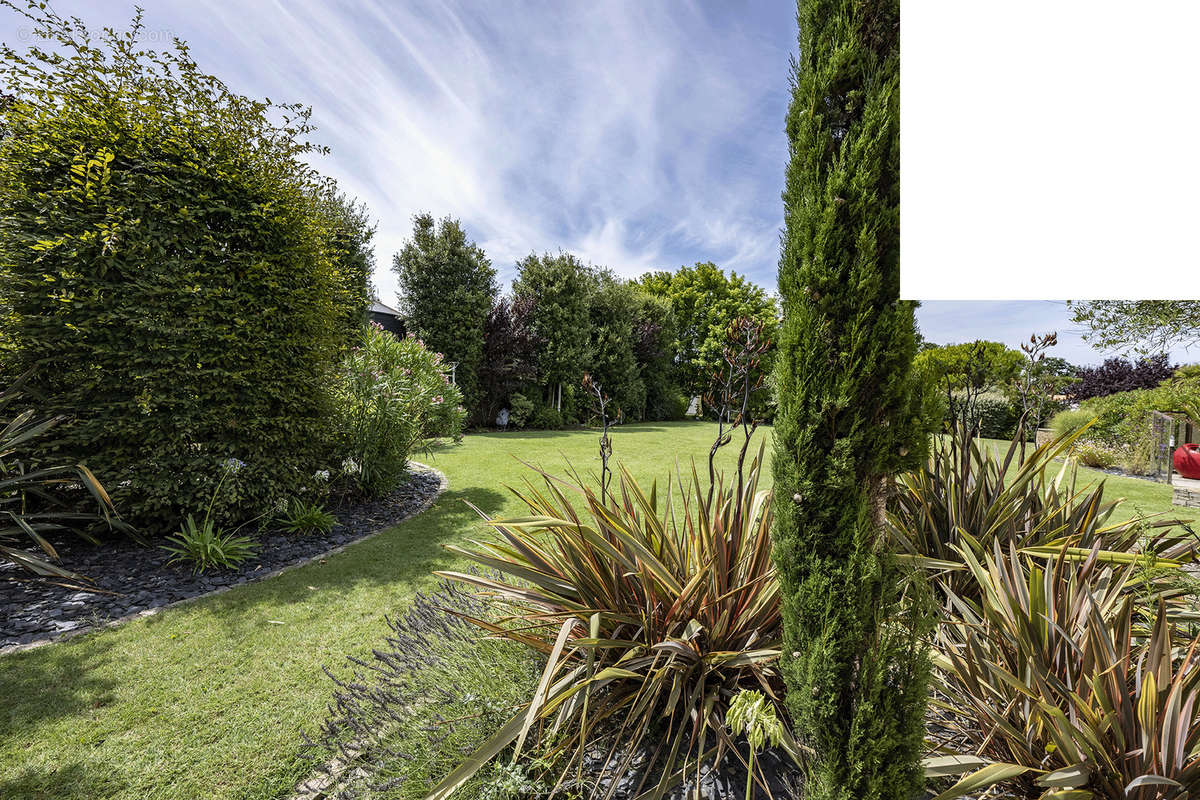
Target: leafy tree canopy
447,289
1120,375
1140,327
349,234
510,354
654,349
614,308
975,364
705,301
560,287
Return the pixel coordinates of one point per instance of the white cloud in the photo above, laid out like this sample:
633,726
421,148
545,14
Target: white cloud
636,135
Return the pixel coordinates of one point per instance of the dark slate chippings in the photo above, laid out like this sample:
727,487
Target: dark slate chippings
31,610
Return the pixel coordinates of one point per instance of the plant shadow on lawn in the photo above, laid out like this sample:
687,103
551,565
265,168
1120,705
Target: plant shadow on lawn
404,554
74,780
40,687
69,679
63,683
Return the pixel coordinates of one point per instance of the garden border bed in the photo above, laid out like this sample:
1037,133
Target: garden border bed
42,637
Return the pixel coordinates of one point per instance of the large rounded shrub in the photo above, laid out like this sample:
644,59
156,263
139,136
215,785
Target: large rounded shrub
168,272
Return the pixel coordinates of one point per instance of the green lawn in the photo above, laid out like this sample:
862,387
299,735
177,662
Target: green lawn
206,700
1140,496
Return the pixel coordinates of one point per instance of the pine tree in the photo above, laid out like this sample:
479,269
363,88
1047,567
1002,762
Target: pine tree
447,290
848,413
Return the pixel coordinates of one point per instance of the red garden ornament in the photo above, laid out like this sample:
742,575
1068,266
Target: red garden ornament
1187,461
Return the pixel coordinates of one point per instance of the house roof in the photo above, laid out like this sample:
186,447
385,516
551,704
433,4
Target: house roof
379,308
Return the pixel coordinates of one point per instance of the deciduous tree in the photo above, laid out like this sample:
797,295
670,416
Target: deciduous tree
559,285
510,352
613,307
1120,375
1138,327
705,302
654,350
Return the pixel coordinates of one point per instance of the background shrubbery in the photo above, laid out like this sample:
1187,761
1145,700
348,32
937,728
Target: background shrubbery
651,344
1119,375
990,386
994,413
1124,427
546,418
448,286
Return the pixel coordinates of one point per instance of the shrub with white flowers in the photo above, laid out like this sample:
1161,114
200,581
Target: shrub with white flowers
392,394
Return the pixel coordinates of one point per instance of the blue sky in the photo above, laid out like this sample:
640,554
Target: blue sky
637,135
1012,322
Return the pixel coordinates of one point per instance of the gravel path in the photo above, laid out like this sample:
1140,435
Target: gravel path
141,581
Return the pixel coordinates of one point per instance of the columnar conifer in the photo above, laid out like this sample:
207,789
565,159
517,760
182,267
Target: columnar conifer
848,417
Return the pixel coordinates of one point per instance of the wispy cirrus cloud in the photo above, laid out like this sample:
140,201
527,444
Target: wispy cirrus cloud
636,135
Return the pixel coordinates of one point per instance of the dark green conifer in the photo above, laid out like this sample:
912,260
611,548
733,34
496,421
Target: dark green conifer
848,413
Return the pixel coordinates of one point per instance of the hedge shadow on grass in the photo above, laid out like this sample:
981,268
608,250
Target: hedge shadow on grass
405,553
202,645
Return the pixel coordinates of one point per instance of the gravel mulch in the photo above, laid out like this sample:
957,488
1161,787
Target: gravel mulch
141,580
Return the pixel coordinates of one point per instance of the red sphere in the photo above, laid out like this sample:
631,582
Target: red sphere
1187,461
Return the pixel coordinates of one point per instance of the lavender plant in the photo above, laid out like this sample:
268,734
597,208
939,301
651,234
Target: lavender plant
402,718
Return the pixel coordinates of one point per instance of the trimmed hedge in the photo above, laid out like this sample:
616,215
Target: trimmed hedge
994,412
171,269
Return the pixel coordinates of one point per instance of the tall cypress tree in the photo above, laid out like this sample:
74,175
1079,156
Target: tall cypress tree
447,289
848,417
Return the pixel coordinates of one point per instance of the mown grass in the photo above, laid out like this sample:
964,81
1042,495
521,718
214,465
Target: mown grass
207,700
1140,497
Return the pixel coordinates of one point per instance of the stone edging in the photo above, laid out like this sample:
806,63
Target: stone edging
443,484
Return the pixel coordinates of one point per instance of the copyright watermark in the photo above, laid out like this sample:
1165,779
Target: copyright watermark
27,34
